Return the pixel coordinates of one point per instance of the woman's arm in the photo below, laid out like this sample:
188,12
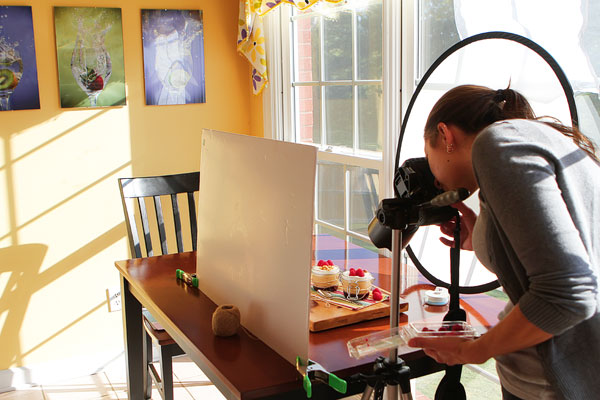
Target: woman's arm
538,204
513,333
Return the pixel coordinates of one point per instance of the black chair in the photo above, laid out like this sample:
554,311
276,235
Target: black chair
135,192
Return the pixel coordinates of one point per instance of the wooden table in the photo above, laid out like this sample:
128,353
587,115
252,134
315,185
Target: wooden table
243,367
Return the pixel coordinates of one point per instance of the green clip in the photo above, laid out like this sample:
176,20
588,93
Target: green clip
316,371
338,384
307,385
190,279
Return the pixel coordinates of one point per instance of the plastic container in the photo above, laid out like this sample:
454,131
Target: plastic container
385,340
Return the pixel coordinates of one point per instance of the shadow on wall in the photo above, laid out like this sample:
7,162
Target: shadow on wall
60,219
16,296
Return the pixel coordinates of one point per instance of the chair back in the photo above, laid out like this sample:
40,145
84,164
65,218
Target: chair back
135,191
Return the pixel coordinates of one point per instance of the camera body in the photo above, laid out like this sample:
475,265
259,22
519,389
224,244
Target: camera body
414,188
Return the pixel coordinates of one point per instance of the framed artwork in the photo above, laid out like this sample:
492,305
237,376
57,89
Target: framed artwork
18,67
89,50
173,42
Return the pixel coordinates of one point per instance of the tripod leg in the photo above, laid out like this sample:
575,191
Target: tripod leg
367,393
397,395
392,392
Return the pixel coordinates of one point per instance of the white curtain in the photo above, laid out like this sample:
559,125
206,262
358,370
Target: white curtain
556,25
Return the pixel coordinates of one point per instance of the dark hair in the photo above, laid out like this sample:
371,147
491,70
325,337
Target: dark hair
471,108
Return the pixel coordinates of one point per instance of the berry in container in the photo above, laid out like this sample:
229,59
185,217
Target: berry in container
399,336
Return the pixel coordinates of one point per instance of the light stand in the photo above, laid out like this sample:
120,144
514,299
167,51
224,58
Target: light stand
392,371
398,214
450,387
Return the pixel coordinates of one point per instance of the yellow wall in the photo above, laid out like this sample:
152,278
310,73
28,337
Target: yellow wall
61,221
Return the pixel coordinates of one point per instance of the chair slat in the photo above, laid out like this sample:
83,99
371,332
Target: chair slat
145,227
165,185
177,222
132,229
160,221
193,222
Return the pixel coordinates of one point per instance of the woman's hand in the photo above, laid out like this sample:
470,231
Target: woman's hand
467,221
451,350
512,333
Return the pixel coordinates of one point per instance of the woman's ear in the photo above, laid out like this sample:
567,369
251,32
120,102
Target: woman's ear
446,134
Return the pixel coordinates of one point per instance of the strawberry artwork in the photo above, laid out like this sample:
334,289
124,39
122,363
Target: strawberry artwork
97,84
91,80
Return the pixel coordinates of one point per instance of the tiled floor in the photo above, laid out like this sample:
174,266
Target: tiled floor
110,384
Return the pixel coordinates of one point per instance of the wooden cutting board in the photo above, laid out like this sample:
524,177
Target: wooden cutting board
323,317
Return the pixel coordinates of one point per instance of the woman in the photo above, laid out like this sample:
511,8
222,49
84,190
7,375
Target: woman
538,230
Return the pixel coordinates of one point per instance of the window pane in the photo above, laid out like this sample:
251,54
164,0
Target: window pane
338,115
588,111
307,49
588,103
323,230
330,196
364,197
337,35
369,25
591,35
437,31
308,114
370,117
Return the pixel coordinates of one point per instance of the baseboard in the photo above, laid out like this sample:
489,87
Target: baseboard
55,371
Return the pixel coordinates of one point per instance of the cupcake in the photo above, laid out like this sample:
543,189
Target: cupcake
324,276
356,284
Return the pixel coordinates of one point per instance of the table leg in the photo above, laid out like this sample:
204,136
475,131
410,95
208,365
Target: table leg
133,331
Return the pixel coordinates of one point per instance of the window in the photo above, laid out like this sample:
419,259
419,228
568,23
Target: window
342,94
442,23
335,83
439,24
335,97
437,31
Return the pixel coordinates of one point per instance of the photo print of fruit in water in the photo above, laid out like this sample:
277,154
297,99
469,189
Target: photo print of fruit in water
89,50
173,56
18,66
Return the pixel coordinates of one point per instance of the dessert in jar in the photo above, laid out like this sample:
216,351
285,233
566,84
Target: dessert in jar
356,283
325,276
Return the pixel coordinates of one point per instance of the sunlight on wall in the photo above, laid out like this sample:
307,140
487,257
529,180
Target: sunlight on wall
61,219
73,171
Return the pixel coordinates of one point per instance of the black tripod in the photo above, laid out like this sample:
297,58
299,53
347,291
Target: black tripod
450,386
387,374
391,372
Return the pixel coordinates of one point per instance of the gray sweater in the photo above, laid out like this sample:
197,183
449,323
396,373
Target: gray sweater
543,196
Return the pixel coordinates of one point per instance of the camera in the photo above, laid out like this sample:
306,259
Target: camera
417,202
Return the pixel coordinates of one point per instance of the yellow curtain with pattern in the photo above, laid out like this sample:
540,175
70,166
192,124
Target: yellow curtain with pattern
251,39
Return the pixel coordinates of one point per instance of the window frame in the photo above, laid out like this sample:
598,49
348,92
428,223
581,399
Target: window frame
278,97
